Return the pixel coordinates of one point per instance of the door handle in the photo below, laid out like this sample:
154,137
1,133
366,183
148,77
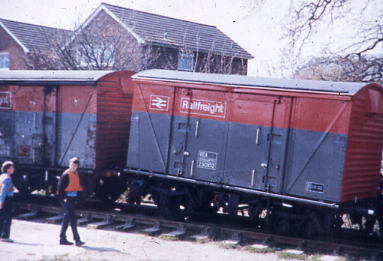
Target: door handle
191,168
196,129
252,177
257,136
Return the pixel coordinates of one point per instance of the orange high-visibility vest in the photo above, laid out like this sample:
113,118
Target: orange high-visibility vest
74,182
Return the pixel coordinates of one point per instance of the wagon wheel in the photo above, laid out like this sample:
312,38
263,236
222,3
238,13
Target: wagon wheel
205,202
380,224
312,225
328,224
109,190
108,200
134,195
255,209
169,207
270,219
284,226
22,184
337,223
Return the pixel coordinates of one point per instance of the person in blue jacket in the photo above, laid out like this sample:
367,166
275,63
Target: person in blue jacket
6,200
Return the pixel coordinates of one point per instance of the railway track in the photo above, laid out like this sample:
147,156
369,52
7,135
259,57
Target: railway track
228,235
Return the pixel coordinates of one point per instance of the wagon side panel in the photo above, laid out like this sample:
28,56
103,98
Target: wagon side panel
23,127
150,130
76,125
257,140
317,148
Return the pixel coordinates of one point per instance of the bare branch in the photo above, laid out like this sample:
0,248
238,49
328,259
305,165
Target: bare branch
343,68
357,61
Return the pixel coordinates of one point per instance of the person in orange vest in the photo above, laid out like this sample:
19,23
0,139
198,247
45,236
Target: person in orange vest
69,189
6,200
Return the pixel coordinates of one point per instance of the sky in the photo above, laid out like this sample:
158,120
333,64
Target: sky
256,25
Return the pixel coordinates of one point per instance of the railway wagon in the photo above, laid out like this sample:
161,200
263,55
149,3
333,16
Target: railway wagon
47,117
304,151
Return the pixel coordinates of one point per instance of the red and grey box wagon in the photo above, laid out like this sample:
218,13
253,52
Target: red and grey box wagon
47,117
311,142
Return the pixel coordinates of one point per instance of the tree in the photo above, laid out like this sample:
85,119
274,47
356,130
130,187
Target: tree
359,59
342,68
104,44
46,55
101,45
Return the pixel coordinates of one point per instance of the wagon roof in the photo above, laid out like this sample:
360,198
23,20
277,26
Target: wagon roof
51,77
348,88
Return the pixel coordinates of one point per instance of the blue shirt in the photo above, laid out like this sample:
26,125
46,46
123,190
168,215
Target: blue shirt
6,189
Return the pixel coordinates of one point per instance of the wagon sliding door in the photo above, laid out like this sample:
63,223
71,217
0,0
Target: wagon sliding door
76,125
257,142
199,134
277,140
30,107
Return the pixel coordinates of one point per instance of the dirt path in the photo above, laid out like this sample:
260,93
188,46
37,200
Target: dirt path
37,241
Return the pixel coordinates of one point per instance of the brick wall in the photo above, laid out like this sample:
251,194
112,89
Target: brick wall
104,30
16,54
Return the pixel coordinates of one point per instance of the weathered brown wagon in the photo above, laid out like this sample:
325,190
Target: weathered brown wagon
47,117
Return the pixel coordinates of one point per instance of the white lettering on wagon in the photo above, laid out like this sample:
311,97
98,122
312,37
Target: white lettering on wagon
203,107
5,100
207,160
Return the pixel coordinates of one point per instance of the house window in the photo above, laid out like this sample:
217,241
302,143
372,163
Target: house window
185,62
4,61
95,55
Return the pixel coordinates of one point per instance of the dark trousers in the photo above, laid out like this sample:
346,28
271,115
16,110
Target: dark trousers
69,218
6,217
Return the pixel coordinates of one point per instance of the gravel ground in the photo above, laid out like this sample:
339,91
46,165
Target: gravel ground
37,241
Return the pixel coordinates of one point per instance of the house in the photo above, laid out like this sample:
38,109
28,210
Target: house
136,40
28,46
118,38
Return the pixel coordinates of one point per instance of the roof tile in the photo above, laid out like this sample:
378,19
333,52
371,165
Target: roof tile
195,36
34,36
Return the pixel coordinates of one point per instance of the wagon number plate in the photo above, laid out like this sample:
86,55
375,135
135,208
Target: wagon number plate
314,187
207,160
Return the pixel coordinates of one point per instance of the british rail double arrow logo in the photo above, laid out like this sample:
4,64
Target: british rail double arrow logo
159,102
